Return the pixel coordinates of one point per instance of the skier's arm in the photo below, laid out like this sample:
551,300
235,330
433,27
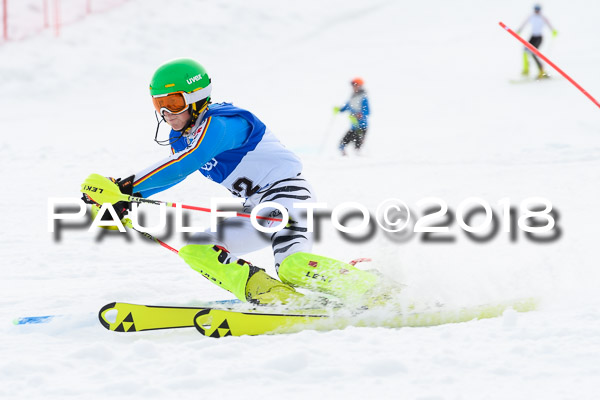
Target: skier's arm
549,25
365,106
216,138
345,107
523,25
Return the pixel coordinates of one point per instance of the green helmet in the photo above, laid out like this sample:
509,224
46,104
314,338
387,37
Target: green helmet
181,75
180,84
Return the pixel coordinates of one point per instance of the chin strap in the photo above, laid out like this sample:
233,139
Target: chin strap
166,142
198,110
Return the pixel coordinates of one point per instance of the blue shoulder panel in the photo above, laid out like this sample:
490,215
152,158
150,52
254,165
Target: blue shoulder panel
230,133
239,127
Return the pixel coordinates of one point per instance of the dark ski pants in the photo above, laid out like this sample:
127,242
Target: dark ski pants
536,41
356,135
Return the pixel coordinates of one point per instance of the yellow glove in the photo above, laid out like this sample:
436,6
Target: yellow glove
336,110
353,120
554,33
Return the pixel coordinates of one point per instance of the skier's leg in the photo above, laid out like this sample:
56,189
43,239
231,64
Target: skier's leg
525,62
208,253
292,245
352,136
360,137
538,63
536,41
327,275
244,280
348,137
294,236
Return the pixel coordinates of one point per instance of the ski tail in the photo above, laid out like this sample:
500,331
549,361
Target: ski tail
221,323
218,323
125,317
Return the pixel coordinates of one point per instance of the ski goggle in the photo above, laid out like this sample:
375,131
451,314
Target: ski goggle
178,102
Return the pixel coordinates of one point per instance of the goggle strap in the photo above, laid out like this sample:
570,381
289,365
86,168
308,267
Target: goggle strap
198,95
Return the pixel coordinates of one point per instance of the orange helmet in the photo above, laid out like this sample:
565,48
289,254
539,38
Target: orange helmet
357,81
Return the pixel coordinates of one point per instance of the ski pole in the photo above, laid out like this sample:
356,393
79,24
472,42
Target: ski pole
539,54
128,224
326,135
102,190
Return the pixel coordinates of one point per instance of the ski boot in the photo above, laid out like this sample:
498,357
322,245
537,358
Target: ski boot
244,280
525,71
542,75
355,287
262,289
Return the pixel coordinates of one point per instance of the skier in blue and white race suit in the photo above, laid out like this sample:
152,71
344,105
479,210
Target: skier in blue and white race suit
358,107
232,147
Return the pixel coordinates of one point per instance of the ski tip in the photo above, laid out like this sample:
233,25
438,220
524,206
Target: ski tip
202,321
101,314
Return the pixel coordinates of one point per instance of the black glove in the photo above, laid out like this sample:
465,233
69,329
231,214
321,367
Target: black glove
121,207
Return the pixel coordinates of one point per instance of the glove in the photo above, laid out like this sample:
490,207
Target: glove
126,187
120,207
336,110
353,120
554,33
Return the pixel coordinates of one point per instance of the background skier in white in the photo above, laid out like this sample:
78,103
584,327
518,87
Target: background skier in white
537,22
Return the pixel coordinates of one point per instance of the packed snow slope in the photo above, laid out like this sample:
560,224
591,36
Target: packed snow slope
445,122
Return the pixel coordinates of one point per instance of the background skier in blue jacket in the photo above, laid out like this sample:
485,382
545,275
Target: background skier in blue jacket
358,107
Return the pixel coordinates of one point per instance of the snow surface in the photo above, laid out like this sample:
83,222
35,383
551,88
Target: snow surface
446,122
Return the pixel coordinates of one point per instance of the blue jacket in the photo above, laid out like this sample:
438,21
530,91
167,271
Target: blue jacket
358,106
229,146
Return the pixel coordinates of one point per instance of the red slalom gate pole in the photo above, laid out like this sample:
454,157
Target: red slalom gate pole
5,19
46,12
537,52
56,18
